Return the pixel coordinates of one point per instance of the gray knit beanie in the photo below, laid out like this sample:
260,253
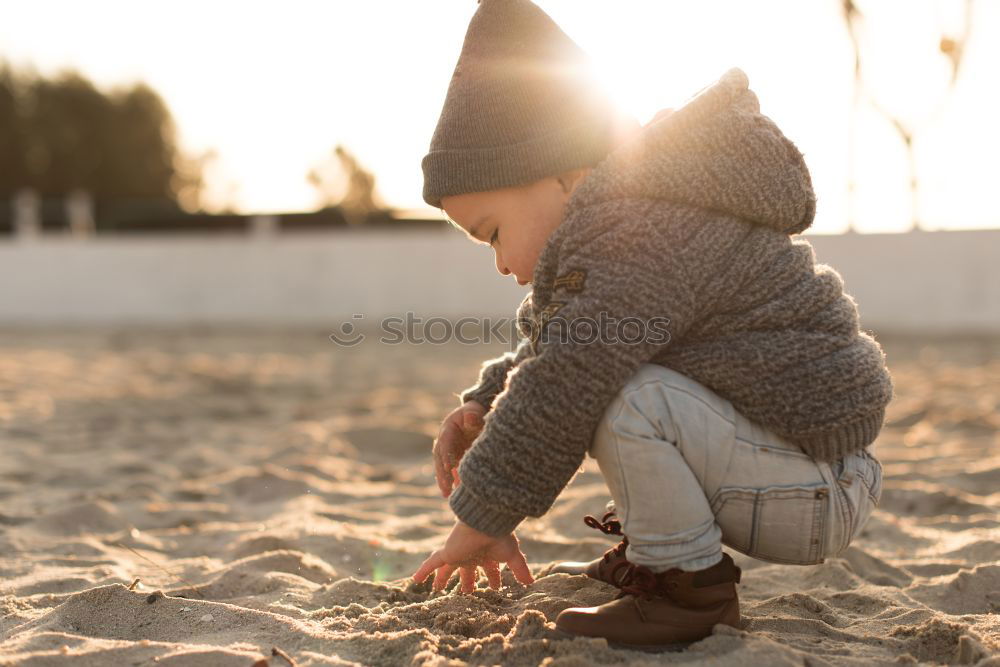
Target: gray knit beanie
522,105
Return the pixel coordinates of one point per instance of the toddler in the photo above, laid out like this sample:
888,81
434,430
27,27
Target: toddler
675,331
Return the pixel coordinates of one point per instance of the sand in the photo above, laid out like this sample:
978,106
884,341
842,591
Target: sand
271,493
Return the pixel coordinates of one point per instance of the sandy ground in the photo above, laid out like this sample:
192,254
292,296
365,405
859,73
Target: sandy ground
271,490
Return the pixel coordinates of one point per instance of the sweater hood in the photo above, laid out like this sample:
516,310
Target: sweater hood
716,152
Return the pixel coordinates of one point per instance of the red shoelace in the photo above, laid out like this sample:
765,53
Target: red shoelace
637,580
608,526
605,525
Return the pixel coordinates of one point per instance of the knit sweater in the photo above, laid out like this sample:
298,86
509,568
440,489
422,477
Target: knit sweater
692,221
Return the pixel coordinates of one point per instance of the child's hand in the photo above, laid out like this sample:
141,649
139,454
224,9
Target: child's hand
467,549
458,430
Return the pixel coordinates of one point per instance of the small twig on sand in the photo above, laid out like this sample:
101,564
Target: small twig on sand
135,582
160,567
278,653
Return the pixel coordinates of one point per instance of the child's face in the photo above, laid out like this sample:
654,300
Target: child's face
516,221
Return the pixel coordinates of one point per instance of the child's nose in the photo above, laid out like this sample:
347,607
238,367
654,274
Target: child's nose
500,265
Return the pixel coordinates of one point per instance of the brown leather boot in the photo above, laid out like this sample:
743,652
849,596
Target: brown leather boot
608,567
663,611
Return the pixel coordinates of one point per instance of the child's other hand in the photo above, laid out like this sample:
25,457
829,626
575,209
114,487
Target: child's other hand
466,550
458,430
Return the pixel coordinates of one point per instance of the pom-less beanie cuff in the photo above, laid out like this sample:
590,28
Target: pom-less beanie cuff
458,171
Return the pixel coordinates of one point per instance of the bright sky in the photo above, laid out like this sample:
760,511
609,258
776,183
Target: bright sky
273,87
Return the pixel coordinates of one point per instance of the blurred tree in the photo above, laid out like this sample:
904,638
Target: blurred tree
341,181
189,179
62,134
12,150
952,48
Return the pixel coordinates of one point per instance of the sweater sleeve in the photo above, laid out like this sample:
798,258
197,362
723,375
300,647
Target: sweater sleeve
493,372
541,426
492,376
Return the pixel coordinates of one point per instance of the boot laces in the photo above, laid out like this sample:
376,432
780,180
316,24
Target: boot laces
606,525
637,580
609,526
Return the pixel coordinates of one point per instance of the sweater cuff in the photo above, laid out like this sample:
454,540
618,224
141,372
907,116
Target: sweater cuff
483,394
481,515
847,439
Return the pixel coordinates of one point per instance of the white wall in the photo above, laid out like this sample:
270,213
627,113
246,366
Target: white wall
920,282
296,278
931,282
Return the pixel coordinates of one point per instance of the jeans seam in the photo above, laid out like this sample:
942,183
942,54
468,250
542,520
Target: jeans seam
847,513
877,472
622,517
817,541
871,495
702,528
776,450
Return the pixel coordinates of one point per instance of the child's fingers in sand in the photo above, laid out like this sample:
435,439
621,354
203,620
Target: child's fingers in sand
442,576
468,575
492,569
519,567
432,563
443,571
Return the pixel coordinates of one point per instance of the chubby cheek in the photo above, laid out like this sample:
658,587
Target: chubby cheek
526,260
521,254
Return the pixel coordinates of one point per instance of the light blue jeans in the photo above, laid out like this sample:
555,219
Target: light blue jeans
688,473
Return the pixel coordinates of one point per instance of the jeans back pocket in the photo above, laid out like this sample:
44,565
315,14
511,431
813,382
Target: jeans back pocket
781,524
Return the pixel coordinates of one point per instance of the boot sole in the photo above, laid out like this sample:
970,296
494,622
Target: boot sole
676,647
